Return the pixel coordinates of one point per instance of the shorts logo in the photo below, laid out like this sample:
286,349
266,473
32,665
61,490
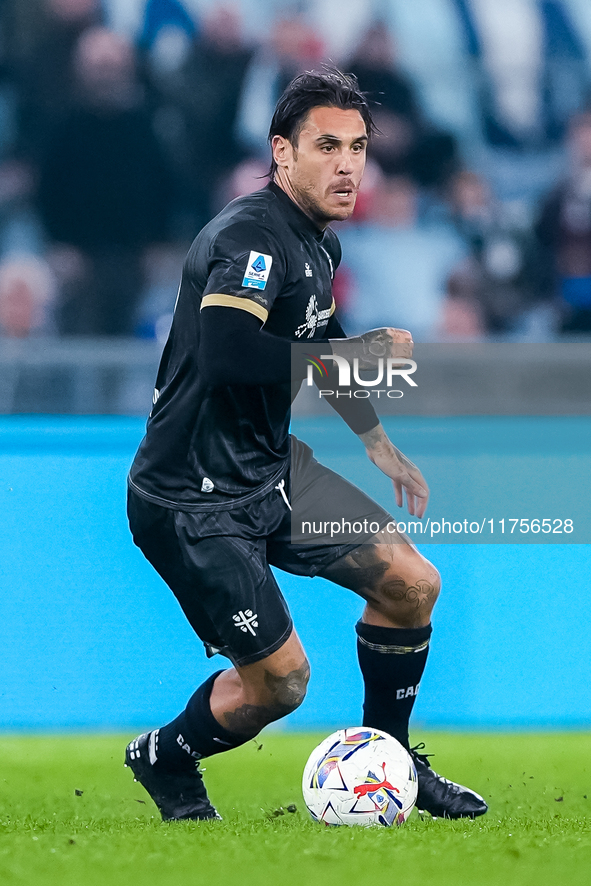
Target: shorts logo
307,270
257,270
246,621
207,485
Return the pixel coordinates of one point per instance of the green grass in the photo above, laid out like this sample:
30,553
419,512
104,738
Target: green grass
537,830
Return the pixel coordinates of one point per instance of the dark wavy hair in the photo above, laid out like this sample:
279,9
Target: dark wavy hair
328,88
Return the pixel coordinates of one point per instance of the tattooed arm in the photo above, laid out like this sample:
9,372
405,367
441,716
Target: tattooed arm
403,473
369,347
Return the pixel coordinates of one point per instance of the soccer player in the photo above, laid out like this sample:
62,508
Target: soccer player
209,487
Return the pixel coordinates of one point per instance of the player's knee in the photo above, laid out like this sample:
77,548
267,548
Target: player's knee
430,579
289,690
408,593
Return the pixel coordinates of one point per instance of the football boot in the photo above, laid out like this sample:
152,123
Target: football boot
443,798
178,795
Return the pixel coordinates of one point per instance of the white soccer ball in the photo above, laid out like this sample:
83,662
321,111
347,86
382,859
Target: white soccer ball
360,776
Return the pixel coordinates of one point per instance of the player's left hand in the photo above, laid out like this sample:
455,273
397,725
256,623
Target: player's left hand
405,475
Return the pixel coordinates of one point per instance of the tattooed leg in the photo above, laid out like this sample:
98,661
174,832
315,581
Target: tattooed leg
399,585
285,694
232,706
246,699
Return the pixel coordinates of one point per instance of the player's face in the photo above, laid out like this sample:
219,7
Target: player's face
322,173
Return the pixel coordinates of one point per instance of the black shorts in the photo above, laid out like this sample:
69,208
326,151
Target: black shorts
217,564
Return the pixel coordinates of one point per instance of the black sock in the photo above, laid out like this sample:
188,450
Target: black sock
392,661
194,734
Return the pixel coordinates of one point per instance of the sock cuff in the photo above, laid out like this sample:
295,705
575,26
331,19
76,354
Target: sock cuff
199,713
398,641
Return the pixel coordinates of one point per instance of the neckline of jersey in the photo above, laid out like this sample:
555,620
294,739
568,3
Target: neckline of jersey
300,220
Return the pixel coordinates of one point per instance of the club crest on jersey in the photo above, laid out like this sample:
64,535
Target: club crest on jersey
314,318
257,270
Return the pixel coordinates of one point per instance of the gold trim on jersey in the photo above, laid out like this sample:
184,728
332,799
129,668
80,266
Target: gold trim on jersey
234,301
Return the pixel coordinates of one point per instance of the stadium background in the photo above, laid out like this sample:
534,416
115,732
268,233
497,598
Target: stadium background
477,195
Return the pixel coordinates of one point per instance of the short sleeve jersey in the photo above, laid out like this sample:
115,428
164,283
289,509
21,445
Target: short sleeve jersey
212,446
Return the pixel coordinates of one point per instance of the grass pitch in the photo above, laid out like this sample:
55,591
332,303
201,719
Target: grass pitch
71,815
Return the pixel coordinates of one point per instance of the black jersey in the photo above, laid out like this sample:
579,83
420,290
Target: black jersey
210,446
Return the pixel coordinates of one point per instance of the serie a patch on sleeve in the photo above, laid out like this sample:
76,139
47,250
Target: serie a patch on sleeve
257,270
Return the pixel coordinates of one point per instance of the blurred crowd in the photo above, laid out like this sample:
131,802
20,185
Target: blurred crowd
126,124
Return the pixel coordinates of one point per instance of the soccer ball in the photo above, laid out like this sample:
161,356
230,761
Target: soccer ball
360,776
